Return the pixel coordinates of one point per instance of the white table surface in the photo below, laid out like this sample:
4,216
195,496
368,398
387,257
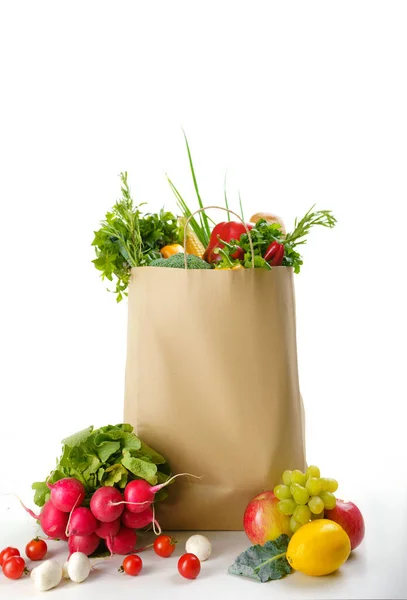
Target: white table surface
377,569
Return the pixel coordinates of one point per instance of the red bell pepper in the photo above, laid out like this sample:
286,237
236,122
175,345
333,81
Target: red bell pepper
274,254
226,231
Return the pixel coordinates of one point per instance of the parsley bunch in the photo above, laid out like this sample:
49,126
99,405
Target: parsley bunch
128,239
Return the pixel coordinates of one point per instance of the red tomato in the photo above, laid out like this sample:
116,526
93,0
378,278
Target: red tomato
132,564
164,545
14,567
36,549
7,552
189,566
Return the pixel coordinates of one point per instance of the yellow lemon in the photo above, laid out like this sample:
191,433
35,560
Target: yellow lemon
318,548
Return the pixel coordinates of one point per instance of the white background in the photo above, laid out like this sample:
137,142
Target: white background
302,103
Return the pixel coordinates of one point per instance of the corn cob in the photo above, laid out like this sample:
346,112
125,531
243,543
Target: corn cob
193,245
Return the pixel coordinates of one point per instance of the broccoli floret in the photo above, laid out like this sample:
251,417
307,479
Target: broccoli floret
176,261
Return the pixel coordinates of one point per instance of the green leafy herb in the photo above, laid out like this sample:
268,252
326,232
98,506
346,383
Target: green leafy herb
310,219
111,455
142,468
263,563
263,234
129,239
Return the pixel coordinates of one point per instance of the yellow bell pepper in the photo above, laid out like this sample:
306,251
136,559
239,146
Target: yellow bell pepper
170,250
235,268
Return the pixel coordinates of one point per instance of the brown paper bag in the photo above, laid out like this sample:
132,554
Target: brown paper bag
212,384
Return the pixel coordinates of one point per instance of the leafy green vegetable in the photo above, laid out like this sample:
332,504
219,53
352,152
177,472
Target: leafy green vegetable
115,474
263,563
263,234
128,239
111,455
143,469
42,493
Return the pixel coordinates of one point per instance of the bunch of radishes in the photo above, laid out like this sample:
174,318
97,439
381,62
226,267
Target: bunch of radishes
111,516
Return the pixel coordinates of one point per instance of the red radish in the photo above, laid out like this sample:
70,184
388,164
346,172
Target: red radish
122,543
53,521
138,520
81,522
107,504
67,493
83,543
139,494
106,530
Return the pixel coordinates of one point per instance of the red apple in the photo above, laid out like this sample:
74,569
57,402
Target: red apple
349,517
263,521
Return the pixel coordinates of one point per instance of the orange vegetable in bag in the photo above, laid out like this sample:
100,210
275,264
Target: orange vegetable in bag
170,250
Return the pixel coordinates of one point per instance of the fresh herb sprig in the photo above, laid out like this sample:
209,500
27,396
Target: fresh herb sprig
310,219
129,239
263,234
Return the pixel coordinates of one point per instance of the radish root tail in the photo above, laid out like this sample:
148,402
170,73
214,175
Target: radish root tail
30,512
134,503
156,526
70,515
156,488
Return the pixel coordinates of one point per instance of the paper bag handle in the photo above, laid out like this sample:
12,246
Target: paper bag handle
220,208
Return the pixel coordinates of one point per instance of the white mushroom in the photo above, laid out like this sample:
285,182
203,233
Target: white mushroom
200,546
47,575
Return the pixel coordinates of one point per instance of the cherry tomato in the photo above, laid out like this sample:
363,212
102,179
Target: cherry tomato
132,565
164,545
189,566
14,567
36,549
7,552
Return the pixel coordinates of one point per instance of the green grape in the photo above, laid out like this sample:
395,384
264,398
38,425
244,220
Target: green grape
287,477
300,495
328,485
313,486
315,504
313,471
293,487
329,500
282,492
298,477
317,516
287,507
294,525
302,514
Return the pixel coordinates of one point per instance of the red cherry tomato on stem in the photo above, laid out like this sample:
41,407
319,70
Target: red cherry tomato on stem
132,565
7,552
14,567
189,566
36,549
164,545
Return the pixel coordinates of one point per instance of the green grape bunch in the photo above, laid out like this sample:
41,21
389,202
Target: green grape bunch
305,496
